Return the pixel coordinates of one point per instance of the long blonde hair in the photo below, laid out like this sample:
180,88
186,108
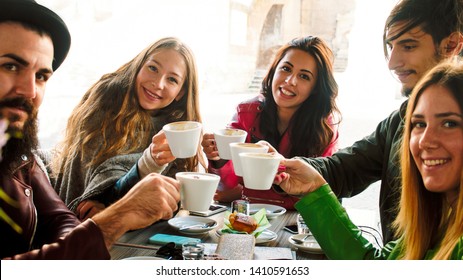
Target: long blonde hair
109,120
425,219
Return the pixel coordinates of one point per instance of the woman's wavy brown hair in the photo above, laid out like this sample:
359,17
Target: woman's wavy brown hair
109,120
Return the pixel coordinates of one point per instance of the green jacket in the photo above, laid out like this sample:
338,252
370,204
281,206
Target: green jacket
339,237
351,170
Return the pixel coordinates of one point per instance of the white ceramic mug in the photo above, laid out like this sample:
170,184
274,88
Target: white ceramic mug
183,138
237,148
197,189
224,137
259,169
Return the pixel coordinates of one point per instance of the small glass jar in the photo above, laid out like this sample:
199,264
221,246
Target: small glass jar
240,206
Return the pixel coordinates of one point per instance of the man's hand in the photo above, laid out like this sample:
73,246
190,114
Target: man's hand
154,198
88,208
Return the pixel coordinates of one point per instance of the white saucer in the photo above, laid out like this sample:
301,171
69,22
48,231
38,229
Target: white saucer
264,237
191,221
310,244
272,210
137,258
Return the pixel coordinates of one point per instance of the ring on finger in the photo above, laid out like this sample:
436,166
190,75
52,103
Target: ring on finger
156,157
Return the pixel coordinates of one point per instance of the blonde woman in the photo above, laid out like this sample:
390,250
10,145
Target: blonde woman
113,137
430,220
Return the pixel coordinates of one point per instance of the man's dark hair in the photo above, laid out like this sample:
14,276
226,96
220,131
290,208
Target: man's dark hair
438,18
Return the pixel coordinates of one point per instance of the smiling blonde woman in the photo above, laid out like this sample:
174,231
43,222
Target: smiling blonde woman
109,144
430,220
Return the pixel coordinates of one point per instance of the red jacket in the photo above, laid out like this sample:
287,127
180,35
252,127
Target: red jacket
49,229
247,118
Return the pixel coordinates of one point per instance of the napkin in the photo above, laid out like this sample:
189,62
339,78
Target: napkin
260,217
236,246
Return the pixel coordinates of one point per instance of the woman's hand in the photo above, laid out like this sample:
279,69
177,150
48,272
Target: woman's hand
299,178
210,147
88,208
160,150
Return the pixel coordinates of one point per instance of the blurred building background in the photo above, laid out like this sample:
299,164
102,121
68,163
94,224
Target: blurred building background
234,42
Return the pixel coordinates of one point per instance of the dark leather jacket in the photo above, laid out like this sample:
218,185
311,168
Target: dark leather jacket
49,229
376,157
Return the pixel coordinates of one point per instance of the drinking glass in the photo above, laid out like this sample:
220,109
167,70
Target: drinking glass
193,251
302,228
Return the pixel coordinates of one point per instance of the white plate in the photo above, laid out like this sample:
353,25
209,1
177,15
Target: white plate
264,237
272,210
310,244
137,258
191,221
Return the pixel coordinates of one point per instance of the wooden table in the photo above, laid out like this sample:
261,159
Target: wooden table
135,243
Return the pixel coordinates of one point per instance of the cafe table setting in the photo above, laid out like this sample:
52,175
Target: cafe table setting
243,231
218,240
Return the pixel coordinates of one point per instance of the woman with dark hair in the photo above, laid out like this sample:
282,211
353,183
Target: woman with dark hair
104,152
429,224
294,112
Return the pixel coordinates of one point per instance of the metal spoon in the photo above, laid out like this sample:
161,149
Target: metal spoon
199,226
252,212
301,240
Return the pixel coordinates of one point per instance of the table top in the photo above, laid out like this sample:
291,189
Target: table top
135,243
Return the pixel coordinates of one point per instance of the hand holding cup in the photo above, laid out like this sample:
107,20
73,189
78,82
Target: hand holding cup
197,189
160,150
237,148
223,138
299,177
259,169
183,138
209,146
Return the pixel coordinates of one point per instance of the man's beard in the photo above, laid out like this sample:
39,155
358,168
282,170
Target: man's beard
406,92
438,57
22,141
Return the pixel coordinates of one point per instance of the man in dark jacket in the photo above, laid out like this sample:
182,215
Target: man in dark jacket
34,222
418,34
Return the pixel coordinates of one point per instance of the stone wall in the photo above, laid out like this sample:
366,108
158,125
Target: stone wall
331,20
272,23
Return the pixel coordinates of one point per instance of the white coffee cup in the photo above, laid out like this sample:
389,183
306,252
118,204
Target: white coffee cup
224,137
259,169
183,138
237,148
197,189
